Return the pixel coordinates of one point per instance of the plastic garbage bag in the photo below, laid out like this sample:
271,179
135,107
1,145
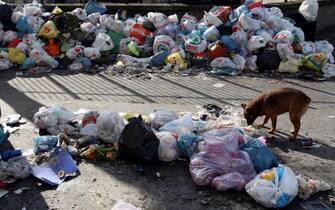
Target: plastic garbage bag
40,56
88,27
52,48
28,63
284,36
167,150
75,52
80,14
309,9
240,37
255,43
262,158
285,51
187,144
110,126
117,26
9,36
169,30
173,18
138,143
93,6
268,60
211,34
329,70
192,47
250,63
129,24
308,186
16,16
274,188
47,117
33,9
291,65
4,64
248,23
211,19
158,19
94,18
220,164
315,61
159,117
176,59
180,126
188,23
16,56
84,62
163,43
48,30
222,62
265,34
92,53
140,33
159,58
239,61
326,48
230,44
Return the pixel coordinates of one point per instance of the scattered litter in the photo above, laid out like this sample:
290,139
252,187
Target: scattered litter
219,85
20,190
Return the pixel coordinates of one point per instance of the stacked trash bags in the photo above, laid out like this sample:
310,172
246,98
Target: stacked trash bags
225,41
222,152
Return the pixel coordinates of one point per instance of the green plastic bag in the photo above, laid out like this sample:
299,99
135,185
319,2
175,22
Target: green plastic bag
116,37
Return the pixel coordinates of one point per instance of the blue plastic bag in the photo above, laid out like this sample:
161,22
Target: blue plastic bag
187,144
22,25
4,134
85,62
261,156
159,58
28,63
93,6
230,44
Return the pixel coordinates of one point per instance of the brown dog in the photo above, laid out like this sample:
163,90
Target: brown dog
275,102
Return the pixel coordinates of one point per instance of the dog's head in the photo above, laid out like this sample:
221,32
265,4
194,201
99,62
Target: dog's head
250,114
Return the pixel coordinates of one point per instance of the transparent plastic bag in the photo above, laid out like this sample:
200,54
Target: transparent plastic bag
159,117
211,19
255,43
163,43
158,19
188,23
88,27
274,188
309,9
39,55
285,51
223,62
75,52
167,150
250,63
239,61
180,126
92,53
110,126
80,14
284,36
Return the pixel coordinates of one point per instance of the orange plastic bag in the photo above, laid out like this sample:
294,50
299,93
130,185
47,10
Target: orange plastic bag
52,48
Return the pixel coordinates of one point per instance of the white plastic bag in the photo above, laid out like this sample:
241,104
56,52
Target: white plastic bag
167,150
188,23
80,13
173,19
211,34
255,43
16,15
158,19
110,126
326,48
180,126
274,188
222,62
248,23
211,19
163,43
75,52
129,23
117,26
239,61
195,48
94,18
10,36
89,130
88,27
328,70
103,42
284,36
35,23
159,117
32,10
39,55
309,9
291,65
92,53
285,51
250,63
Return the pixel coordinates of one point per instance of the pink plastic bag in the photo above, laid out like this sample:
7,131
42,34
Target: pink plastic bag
220,164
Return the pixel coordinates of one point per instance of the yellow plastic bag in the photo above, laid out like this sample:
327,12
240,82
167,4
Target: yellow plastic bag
176,60
48,30
57,11
16,56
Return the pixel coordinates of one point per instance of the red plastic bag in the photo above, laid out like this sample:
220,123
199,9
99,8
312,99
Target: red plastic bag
139,33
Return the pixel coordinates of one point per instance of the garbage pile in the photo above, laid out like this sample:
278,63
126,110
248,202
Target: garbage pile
222,152
225,40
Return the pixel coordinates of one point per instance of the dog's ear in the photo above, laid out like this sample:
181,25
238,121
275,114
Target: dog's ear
243,106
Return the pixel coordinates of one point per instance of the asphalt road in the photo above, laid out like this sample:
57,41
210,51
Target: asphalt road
101,184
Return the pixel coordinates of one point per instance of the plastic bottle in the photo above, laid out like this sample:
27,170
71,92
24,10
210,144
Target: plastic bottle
10,154
45,143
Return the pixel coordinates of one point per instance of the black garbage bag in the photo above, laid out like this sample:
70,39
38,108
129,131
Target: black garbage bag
5,16
268,60
66,22
138,143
